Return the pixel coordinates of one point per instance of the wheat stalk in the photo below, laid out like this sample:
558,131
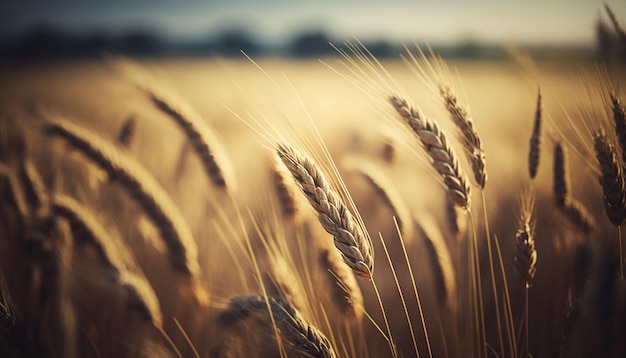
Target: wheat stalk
145,190
304,339
469,137
87,230
349,237
436,145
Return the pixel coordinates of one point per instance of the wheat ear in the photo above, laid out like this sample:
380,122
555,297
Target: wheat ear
285,189
440,260
535,140
349,237
345,291
201,137
142,187
388,193
455,217
436,145
560,182
87,230
469,137
619,29
304,339
619,117
126,133
525,257
578,214
611,179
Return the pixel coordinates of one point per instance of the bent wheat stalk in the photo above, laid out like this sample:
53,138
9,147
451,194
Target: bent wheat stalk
350,239
142,186
87,230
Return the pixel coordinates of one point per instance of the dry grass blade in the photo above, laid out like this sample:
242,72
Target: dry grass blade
560,183
436,145
535,140
87,230
611,179
440,260
344,290
471,141
304,339
145,190
350,238
127,132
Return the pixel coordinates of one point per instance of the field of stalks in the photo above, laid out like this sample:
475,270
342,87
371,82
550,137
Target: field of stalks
336,208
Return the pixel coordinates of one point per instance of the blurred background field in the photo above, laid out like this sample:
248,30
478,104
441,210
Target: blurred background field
62,61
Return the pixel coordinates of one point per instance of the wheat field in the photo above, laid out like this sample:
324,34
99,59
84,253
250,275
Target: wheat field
244,208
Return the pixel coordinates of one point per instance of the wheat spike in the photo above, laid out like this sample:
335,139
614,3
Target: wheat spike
201,137
282,280
469,137
285,189
146,191
304,339
560,183
619,117
87,230
621,33
525,258
127,132
440,260
388,193
578,214
349,237
436,145
611,179
535,140
345,291
198,132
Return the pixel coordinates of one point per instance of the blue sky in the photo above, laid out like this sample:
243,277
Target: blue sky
273,21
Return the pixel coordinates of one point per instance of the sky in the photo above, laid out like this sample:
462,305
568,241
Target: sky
275,21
